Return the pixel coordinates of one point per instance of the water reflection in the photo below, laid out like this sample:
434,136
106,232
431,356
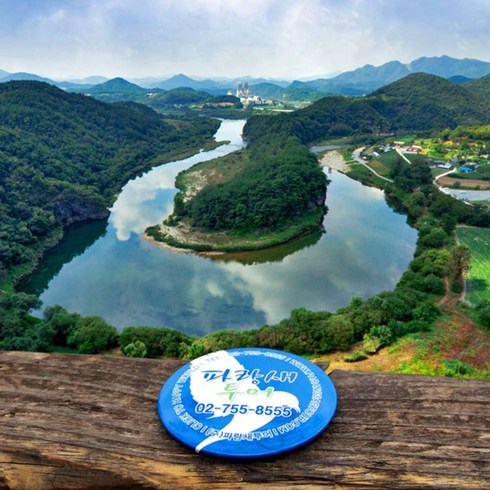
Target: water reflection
129,281
148,199
77,239
276,254
355,257
137,208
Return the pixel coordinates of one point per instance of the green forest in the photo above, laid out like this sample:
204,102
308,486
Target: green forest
64,157
278,185
276,149
418,102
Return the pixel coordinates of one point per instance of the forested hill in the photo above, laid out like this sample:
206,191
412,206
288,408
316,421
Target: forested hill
63,157
417,102
479,87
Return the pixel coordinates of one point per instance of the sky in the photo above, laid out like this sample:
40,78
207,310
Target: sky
282,39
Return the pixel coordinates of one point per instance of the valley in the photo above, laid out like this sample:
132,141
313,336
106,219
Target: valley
256,194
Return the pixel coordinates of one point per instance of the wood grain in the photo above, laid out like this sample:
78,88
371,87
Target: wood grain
90,422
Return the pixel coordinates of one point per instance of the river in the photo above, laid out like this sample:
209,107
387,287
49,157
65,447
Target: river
107,269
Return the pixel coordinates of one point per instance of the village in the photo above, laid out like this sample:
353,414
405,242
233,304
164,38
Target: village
459,162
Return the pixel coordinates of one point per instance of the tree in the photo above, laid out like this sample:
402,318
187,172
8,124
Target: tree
457,265
135,349
62,323
14,314
435,238
484,316
93,335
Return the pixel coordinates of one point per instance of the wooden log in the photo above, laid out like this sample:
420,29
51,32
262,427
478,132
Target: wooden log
90,422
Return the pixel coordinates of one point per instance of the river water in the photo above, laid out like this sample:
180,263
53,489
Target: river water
107,269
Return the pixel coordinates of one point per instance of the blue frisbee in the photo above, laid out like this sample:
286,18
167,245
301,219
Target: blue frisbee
247,403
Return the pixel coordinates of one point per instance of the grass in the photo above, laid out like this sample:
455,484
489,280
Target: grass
7,282
379,166
478,280
390,159
483,203
212,172
447,350
416,158
345,140
206,241
452,348
362,174
347,155
437,171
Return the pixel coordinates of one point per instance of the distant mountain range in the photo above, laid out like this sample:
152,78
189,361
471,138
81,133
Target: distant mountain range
89,80
213,86
417,102
115,86
25,76
361,81
369,78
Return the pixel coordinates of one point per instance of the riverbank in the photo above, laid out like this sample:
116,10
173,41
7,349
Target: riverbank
335,160
184,238
12,280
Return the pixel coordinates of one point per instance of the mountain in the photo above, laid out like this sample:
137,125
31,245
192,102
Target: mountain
446,67
418,102
256,81
3,73
459,79
178,97
26,76
117,86
364,79
368,78
297,92
65,156
268,90
435,100
480,87
74,87
93,80
213,86
183,81
116,90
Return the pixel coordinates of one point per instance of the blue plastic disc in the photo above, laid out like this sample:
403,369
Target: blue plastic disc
247,403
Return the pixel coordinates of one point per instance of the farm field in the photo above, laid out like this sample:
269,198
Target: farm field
478,281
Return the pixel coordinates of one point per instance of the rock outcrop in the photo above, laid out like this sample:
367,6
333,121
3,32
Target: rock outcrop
73,211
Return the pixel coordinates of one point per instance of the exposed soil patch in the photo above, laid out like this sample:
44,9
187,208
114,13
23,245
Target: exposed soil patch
466,183
335,160
454,336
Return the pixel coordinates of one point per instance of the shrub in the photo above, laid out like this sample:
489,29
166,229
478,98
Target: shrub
62,322
135,349
413,327
192,351
158,341
228,339
356,357
426,312
455,367
93,335
371,344
435,238
339,334
434,284
484,316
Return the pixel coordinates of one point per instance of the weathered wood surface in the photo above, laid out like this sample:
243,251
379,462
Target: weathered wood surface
90,422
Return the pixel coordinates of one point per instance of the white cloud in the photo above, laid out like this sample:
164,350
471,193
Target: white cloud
283,38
